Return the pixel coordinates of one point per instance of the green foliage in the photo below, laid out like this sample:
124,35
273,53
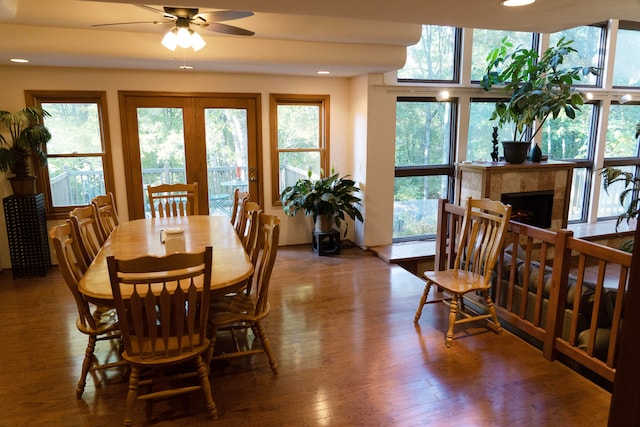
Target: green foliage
27,136
631,187
539,86
332,196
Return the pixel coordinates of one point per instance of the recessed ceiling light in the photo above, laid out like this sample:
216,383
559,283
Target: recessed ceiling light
186,67
516,3
19,60
323,72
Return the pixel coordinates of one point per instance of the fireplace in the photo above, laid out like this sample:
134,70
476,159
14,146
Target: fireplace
532,207
544,186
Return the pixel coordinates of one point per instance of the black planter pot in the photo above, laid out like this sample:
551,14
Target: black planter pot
515,152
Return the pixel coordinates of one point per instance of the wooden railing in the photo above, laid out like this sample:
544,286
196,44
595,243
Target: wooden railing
564,292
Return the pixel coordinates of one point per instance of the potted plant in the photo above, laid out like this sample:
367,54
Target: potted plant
538,86
27,137
328,200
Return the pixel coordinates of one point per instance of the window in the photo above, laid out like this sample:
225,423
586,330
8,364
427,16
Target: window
480,136
79,162
299,138
484,41
589,41
436,57
626,70
621,151
423,166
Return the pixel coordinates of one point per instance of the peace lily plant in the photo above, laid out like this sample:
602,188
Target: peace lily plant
331,197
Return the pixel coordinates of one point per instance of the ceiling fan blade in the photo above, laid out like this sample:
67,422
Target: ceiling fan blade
132,22
153,9
227,29
222,15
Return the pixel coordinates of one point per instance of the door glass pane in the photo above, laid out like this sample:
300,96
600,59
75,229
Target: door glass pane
226,145
415,205
161,136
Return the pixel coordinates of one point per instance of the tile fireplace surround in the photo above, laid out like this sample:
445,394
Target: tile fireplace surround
493,179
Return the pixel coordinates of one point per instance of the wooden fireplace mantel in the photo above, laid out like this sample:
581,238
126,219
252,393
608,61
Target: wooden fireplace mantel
492,179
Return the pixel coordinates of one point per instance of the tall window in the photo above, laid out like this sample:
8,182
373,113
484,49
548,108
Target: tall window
480,136
423,165
589,41
626,70
436,57
79,162
299,138
622,150
485,40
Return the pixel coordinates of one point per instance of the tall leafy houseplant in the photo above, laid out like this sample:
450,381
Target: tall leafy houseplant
27,136
539,87
331,198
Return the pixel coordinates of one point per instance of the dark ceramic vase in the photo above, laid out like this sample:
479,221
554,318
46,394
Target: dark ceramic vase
535,154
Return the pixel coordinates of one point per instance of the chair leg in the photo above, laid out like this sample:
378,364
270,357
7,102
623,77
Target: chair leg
259,330
494,314
423,301
453,313
203,375
132,395
86,366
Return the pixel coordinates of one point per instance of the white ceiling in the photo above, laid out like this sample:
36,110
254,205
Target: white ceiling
297,37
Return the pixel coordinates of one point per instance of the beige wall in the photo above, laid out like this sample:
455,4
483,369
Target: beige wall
362,131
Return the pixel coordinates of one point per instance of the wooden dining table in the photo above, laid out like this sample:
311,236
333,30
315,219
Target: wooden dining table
231,266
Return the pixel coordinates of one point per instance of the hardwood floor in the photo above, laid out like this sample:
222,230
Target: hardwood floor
349,355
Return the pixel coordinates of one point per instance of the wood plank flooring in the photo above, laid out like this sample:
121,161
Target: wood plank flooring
349,355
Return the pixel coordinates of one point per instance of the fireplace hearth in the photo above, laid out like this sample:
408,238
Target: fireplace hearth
533,207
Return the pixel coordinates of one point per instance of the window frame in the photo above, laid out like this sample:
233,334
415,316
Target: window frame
447,170
323,103
457,60
38,97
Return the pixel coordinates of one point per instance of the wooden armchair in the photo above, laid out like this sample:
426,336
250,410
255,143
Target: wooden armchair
245,310
107,214
238,198
99,325
163,304
480,240
173,199
86,222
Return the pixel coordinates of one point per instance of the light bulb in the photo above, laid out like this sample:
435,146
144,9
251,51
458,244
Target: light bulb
184,38
197,42
170,41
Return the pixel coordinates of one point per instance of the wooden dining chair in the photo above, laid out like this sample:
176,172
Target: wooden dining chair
249,229
245,310
85,220
173,199
238,198
480,240
98,325
163,304
107,214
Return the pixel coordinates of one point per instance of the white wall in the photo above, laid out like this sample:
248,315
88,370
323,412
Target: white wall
361,135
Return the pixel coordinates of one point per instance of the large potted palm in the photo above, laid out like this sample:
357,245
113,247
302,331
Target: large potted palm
539,87
327,200
27,138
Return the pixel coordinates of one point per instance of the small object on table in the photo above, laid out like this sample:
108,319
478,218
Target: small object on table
326,242
494,153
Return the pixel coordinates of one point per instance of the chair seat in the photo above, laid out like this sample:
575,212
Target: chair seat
162,360
229,309
458,281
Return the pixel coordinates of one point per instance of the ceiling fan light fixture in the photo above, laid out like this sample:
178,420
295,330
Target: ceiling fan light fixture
197,42
516,3
184,37
170,40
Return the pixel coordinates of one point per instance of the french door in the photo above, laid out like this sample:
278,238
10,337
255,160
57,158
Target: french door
212,139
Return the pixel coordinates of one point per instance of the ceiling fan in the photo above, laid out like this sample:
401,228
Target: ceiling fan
182,17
